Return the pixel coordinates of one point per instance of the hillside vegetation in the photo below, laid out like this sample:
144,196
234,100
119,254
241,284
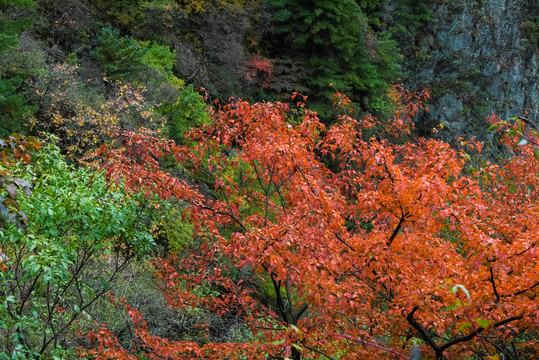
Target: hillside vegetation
248,179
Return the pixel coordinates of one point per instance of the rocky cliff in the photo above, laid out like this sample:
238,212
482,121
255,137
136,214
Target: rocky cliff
477,57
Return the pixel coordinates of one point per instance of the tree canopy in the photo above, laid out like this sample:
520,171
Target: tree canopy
401,242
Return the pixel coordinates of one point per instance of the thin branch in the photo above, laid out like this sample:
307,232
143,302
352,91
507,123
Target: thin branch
278,189
397,229
524,251
83,306
305,178
522,291
372,344
338,236
318,351
301,310
472,334
258,177
232,216
459,339
494,285
281,198
289,298
284,180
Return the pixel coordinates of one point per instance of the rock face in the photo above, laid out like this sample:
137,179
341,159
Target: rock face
478,57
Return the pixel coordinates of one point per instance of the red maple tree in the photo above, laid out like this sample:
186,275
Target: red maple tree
394,244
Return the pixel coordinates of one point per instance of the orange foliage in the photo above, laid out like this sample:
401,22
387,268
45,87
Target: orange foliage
397,243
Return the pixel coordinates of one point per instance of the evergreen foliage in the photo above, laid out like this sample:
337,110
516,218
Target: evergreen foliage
338,46
119,56
410,17
10,25
13,105
159,57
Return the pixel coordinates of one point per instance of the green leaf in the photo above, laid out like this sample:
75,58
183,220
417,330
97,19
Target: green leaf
455,288
454,306
484,323
278,342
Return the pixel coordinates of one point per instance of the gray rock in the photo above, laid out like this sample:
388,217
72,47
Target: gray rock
478,64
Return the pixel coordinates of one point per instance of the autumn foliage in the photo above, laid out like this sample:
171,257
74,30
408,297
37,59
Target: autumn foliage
367,246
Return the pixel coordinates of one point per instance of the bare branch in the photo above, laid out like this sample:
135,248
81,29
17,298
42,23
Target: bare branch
521,291
494,285
397,229
459,339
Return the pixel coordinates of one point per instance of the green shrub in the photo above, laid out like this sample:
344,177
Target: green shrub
142,62
189,111
81,233
159,57
530,31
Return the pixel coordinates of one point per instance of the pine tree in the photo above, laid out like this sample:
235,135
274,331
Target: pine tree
331,36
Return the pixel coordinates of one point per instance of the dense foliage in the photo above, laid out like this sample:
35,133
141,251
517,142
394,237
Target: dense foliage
147,212
338,46
81,233
399,243
12,103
